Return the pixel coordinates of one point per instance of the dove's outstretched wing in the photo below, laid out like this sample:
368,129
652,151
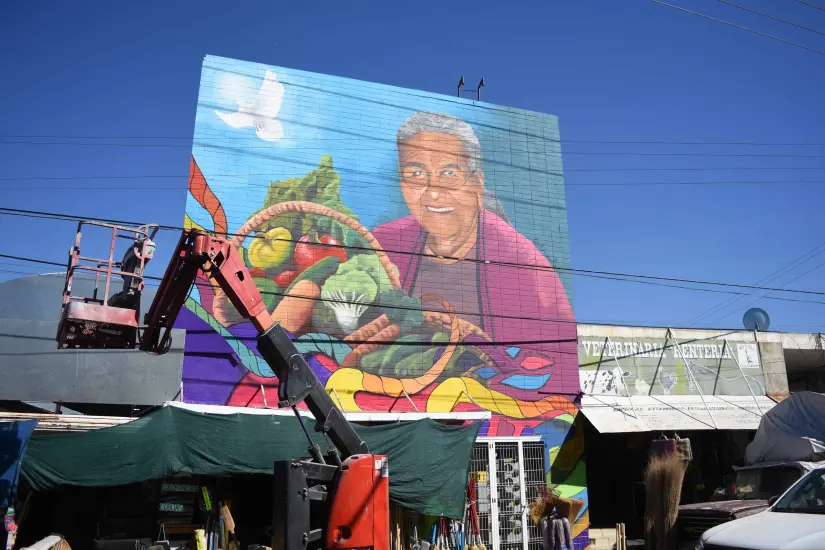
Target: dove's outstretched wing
270,96
237,120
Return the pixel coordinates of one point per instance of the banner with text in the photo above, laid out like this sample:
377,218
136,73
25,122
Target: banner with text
659,366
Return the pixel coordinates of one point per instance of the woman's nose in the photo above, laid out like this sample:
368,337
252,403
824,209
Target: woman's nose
434,193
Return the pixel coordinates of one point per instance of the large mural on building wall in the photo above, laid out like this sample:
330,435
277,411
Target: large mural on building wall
412,244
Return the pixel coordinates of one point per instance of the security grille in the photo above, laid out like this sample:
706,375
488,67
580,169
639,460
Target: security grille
508,473
535,476
480,475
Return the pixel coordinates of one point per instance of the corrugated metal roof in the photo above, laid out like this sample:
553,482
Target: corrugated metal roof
65,422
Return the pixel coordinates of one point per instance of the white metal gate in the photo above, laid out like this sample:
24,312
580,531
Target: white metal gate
508,473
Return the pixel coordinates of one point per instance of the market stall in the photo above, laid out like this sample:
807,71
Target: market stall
428,461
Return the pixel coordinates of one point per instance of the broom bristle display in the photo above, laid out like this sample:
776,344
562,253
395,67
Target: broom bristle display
663,477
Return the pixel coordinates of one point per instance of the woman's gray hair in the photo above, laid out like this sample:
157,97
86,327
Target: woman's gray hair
439,123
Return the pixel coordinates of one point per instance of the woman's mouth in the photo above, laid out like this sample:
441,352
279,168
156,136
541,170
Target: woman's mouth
440,210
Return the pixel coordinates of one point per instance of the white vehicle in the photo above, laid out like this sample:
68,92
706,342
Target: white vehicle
793,521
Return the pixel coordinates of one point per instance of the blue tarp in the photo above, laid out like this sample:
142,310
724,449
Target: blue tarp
14,437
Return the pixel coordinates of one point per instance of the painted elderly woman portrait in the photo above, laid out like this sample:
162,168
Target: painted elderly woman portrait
457,245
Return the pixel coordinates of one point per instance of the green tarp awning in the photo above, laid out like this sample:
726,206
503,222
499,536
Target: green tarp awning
428,461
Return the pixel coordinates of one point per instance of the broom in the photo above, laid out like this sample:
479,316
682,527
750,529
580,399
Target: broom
478,544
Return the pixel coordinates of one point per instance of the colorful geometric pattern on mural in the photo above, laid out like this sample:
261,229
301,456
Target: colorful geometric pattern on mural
408,242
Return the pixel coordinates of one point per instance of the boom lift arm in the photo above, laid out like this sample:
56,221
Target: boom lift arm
354,490
222,263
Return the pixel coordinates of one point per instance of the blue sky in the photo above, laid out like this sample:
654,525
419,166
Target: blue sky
612,71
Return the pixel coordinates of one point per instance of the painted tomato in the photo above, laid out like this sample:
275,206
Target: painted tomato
285,278
310,250
257,273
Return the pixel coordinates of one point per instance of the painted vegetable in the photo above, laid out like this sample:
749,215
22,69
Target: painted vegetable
270,249
285,278
311,250
270,292
294,312
257,273
352,289
322,186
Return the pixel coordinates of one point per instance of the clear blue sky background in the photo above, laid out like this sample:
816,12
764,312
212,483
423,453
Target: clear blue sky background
612,70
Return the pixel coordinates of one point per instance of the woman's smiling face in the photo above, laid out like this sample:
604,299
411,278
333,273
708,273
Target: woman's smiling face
438,186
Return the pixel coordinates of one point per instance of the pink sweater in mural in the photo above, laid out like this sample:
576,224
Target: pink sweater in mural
520,296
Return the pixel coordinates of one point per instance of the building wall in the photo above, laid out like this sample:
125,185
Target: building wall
35,370
282,156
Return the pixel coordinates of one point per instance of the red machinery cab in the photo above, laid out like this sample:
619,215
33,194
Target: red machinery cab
103,320
359,512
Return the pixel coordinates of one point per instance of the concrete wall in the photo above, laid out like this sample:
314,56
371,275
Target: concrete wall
35,370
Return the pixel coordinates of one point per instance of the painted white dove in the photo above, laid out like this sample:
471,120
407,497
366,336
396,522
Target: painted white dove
261,112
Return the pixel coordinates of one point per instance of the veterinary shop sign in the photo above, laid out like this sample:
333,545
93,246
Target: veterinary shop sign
656,366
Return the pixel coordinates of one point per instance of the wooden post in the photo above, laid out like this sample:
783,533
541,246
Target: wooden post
621,537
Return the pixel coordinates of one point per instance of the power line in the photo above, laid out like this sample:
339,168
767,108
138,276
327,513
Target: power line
768,296
811,5
393,173
768,278
338,301
362,149
605,142
592,276
70,217
769,16
153,284
820,52
182,187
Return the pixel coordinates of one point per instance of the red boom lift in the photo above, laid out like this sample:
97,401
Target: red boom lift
349,484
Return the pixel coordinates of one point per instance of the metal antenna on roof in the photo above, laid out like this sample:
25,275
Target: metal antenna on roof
477,91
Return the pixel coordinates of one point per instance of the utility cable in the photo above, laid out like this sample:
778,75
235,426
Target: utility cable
811,5
768,278
69,217
201,285
182,187
215,143
394,173
768,296
769,16
772,37
601,142
416,343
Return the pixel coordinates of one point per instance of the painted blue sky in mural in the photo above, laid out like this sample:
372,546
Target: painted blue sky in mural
612,71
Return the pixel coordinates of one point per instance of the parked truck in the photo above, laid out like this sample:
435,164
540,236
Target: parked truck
787,445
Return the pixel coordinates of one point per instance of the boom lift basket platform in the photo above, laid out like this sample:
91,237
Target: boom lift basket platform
104,321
